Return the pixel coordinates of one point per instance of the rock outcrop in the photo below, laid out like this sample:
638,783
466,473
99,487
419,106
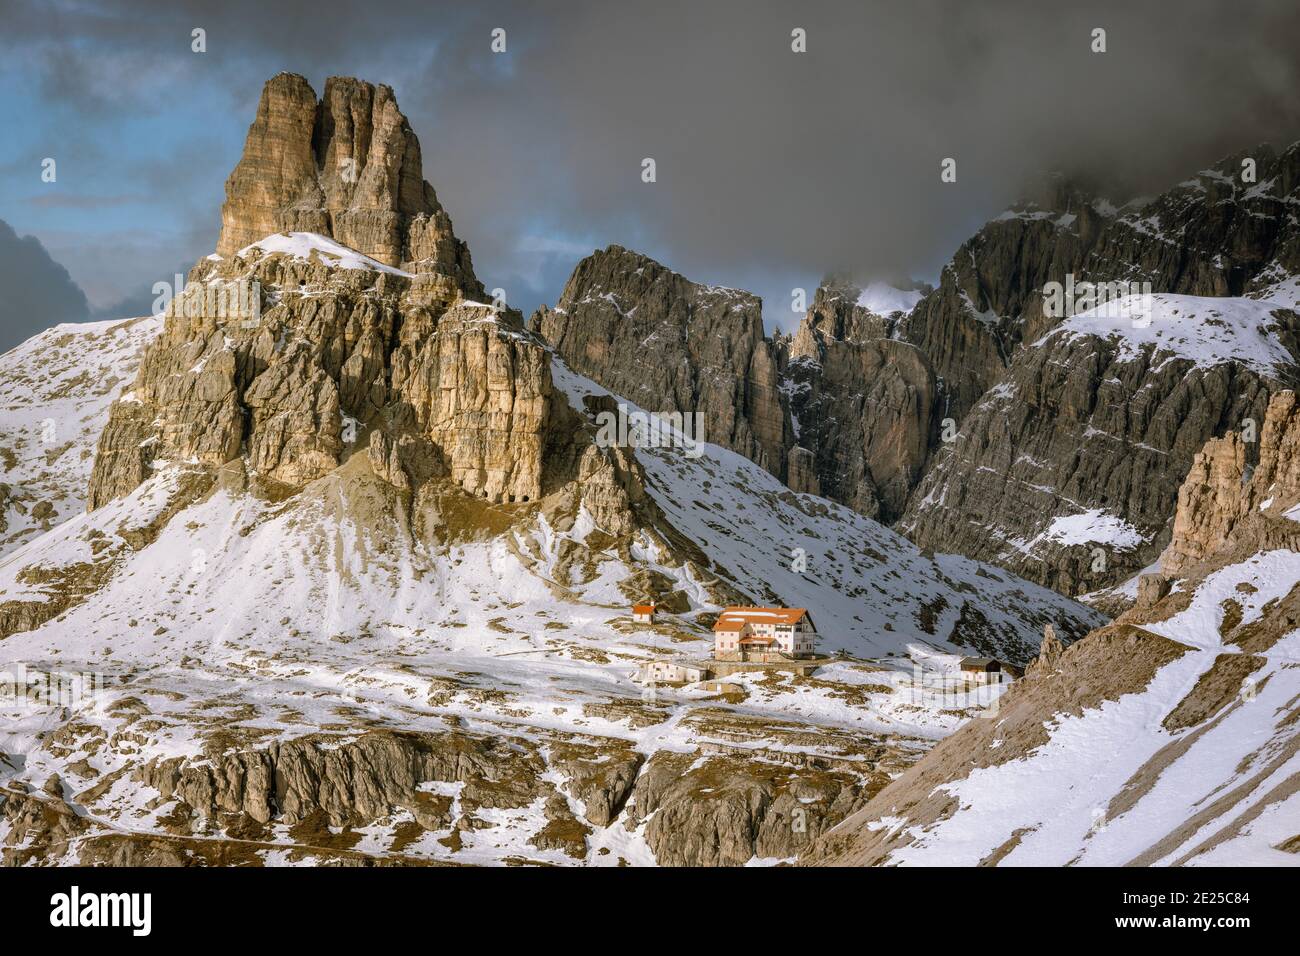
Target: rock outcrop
352,784
801,471
297,354
344,361
347,166
672,345
862,404
1049,653
1067,473
1225,497
705,809
1151,588
1208,502
1204,675
725,810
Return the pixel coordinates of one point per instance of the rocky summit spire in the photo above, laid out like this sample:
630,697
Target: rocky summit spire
347,166
1049,653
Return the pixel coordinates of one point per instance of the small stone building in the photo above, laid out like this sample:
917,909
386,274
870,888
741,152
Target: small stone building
981,669
672,672
643,613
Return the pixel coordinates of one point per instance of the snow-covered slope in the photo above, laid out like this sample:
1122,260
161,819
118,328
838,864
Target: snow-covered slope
1196,761
874,592
885,299
212,622
1167,737
56,389
312,245
1208,331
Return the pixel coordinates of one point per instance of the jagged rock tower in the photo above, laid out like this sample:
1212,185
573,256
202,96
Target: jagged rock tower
406,365
346,166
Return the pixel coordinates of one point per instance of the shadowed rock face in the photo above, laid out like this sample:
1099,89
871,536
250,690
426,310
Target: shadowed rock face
1059,426
1052,427
990,295
1211,235
863,404
347,166
1078,426
672,345
843,408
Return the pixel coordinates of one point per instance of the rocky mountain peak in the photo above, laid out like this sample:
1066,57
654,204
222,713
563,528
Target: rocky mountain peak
345,353
1062,193
347,166
861,398
673,345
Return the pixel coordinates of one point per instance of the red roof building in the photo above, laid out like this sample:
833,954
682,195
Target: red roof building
763,634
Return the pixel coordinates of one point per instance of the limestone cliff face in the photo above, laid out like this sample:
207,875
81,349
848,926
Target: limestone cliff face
1068,472
843,408
459,392
672,345
345,358
1225,499
1064,426
862,404
1208,502
990,295
479,390
347,166
1213,233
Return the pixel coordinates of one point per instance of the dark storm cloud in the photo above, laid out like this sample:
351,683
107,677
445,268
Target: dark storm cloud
830,159
38,292
773,167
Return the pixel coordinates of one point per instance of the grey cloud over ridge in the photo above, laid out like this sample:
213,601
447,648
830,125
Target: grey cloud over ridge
830,159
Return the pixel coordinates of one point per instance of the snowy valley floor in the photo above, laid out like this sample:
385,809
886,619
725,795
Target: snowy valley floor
239,662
